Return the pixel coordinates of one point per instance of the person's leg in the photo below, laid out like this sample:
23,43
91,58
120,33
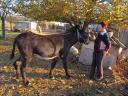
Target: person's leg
99,65
93,66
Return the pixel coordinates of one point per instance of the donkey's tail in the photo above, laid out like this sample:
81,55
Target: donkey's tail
13,50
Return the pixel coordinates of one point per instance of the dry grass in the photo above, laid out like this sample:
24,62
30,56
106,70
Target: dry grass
42,85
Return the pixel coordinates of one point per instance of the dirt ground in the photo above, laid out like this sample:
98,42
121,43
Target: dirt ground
42,85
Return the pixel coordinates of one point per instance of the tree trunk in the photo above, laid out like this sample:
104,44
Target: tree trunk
86,23
10,21
3,26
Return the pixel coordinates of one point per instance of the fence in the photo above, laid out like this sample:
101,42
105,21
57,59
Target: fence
123,37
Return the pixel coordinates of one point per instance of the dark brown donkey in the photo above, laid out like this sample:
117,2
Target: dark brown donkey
46,46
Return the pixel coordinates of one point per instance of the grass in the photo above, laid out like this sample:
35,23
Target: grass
41,85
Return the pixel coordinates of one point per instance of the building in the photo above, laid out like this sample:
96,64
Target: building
42,26
26,25
53,26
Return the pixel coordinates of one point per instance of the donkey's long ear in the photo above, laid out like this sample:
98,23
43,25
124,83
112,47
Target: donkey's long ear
77,26
71,23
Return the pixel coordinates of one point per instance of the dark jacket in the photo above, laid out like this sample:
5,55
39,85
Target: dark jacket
102,38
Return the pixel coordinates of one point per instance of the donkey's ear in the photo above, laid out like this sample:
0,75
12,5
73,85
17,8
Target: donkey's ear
77,26
86,23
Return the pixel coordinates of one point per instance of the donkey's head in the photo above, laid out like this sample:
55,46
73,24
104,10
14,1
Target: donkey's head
83,37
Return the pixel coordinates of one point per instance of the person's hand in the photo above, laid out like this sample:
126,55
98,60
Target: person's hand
106,53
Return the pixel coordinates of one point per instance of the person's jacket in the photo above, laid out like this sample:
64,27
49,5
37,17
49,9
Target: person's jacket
102,42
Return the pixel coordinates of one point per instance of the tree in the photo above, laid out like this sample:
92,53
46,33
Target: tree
5,9
74,10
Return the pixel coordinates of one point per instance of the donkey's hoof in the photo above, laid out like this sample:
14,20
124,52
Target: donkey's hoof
68,76
26,83
50,76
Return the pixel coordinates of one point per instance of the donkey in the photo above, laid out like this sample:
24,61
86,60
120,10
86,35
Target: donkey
47,46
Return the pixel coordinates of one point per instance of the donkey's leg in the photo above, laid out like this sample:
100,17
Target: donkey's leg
23,66
63,55
54,61
16,65
64,59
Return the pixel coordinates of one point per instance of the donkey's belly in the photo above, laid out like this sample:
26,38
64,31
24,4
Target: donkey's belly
46,53
49,48
46,58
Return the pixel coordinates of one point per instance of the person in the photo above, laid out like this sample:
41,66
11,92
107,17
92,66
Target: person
101,47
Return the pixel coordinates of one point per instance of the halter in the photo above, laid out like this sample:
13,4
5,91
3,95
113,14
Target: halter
78,35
